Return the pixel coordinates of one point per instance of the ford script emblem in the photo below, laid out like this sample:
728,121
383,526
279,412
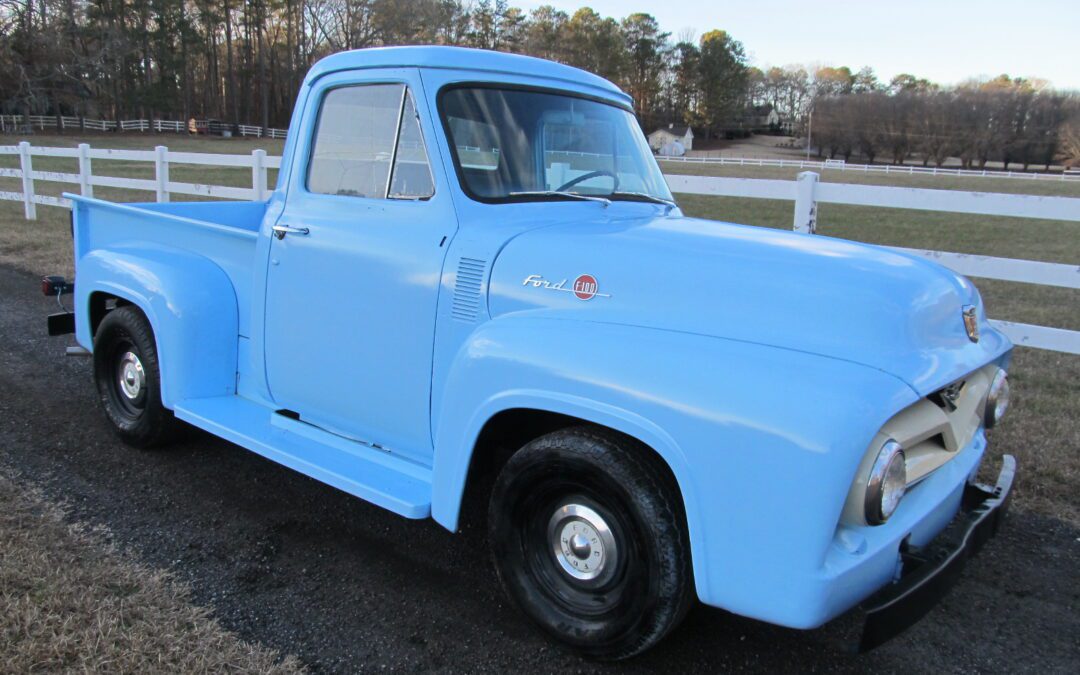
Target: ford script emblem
585,286
971,323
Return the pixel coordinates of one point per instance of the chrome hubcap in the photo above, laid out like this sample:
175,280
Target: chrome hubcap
131,375
582,543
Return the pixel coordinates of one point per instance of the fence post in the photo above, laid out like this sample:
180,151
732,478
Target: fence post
86,188
258,174
161,172
27,181
806,203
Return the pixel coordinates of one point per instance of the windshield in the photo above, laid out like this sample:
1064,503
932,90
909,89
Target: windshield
514,145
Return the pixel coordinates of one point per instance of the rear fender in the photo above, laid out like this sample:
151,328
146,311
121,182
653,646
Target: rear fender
190,303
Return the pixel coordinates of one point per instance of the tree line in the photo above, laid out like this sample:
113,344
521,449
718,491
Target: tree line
242,61
854,114
1013,121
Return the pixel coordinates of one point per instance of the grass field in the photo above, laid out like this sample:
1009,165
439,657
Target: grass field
71,603
1043,430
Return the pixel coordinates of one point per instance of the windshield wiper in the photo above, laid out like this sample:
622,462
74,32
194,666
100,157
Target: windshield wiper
561,193
646,197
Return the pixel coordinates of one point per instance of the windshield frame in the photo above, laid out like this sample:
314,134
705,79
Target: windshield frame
444,120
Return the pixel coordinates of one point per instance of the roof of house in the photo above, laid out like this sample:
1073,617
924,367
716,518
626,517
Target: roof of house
462,58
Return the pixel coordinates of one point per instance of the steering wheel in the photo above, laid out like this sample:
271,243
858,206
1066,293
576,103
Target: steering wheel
586,176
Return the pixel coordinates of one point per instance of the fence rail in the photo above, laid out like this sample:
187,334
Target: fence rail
26,123
902,169
161,185
806,192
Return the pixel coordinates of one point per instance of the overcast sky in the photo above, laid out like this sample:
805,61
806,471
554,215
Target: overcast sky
946,41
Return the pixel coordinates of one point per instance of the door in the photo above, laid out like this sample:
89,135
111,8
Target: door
355,264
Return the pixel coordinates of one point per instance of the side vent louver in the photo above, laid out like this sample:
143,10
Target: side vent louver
470,279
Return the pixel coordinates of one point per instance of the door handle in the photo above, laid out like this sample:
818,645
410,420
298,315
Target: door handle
281,230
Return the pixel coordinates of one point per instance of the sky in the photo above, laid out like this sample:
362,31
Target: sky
945,41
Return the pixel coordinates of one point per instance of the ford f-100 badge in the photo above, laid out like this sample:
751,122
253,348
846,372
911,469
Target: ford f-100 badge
585,287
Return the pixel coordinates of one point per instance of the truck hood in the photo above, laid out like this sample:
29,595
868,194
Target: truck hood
836,298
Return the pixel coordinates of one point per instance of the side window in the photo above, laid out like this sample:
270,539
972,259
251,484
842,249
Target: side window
368,144
412,173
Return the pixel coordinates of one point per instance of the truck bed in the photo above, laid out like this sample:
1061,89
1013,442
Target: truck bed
224,232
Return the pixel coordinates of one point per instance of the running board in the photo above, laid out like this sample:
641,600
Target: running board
372,474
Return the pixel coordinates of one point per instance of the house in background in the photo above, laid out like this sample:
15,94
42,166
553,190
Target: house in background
765,119
777,122
666,136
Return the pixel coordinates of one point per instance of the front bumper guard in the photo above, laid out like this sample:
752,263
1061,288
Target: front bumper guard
928,572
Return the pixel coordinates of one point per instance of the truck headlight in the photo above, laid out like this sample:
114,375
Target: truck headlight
887,483
997,400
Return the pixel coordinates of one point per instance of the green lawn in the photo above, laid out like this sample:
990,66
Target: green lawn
1042,431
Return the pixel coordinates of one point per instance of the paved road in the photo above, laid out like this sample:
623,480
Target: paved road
346,586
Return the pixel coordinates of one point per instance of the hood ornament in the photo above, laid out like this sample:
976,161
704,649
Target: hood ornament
971,322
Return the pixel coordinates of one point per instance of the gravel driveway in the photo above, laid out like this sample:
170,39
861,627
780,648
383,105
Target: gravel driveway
345,586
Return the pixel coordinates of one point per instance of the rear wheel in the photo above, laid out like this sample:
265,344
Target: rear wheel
588,539
129,380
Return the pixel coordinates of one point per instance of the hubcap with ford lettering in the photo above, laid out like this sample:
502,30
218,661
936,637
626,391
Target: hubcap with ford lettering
582,543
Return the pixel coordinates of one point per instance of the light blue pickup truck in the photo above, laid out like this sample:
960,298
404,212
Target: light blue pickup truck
472,281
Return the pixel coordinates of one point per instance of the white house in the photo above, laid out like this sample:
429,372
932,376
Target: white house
665,136
777,121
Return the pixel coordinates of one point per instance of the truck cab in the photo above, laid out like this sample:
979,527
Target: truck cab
471,267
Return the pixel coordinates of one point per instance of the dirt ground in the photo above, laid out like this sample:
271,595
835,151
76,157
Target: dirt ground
296,566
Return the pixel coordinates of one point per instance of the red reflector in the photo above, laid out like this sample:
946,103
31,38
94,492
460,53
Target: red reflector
53,284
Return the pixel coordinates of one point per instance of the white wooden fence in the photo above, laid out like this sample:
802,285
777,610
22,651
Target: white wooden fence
18,123
806,192
161,185
903,169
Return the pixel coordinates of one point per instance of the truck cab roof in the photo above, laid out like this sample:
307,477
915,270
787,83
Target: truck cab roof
463,58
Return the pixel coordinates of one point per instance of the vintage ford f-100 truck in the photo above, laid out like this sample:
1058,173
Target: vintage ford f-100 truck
472,266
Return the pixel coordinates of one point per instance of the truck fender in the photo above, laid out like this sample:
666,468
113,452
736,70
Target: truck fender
190,303
489,376
722,414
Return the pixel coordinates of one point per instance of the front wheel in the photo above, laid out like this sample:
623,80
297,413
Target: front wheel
128,379
588,539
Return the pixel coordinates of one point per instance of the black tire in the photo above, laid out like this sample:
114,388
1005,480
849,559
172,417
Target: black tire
140,419
540,506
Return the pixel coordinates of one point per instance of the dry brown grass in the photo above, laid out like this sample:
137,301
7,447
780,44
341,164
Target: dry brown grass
71,603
